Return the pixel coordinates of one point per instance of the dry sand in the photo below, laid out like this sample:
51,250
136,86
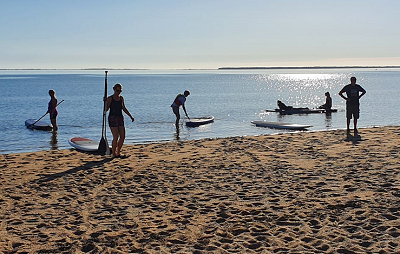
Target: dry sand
307,192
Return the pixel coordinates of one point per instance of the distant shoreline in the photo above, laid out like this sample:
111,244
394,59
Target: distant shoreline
307,67
220,68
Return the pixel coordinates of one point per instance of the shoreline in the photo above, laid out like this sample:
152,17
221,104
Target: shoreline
314,192
199,139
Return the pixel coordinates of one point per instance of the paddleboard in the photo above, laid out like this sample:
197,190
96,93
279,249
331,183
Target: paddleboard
301,111
84,144
40,125
277,125
194,122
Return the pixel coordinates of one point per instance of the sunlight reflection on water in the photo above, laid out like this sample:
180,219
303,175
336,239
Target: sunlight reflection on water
300,88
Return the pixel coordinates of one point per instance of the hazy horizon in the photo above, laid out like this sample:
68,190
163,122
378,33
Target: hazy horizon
219,68
209,34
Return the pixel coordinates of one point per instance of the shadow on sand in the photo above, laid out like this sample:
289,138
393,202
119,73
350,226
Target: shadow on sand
87,166
354,139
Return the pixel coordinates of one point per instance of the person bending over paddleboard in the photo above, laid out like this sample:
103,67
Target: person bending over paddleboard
116,104
179,100
52,109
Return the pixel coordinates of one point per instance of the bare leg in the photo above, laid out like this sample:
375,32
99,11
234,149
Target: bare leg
120,143
115,133
178,116
54,123
355,127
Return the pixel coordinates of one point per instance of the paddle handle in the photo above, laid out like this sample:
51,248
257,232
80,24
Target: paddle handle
103,131
103,147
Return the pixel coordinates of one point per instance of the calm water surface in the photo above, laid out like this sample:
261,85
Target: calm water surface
234,98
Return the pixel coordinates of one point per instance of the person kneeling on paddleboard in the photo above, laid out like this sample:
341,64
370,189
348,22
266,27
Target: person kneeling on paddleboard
116,105
179,100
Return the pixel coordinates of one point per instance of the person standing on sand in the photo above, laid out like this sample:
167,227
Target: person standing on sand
116,104
179,100
352,91
52,109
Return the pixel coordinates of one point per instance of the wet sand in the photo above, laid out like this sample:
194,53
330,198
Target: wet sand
306,192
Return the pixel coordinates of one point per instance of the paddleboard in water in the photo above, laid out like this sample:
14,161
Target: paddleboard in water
40,125
194,122
277,125
301,111
84,144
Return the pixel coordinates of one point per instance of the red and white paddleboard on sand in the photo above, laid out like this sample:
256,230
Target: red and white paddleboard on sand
84,144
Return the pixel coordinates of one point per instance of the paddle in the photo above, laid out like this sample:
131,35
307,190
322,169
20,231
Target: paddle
31,125
104,149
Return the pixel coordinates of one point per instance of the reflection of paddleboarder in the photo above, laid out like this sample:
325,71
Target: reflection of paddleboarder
52,109
179,100
116,105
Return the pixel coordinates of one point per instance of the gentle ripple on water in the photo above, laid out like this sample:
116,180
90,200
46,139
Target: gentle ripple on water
234,98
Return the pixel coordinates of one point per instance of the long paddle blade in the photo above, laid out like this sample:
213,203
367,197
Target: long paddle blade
103,149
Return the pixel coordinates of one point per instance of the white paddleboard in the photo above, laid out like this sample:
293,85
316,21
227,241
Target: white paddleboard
194,122
84,144
277,125
40,125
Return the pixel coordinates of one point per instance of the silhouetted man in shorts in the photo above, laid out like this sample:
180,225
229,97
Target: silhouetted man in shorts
352,91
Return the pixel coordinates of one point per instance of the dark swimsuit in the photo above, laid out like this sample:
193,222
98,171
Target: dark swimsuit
54,114
115,118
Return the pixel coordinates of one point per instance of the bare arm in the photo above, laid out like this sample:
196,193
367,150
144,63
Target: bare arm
108,103
184,109
341,95
126,110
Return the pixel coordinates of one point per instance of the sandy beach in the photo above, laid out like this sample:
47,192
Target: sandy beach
306,192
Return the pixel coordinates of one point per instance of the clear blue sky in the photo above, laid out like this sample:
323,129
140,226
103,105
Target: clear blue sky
175,34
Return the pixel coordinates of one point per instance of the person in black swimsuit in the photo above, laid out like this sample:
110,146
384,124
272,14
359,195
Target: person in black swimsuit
52,109
116,104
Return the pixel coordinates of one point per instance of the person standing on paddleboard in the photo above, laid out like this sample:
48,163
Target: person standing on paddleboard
116,104
52,109
179,100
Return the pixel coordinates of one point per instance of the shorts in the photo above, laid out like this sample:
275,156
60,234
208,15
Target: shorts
53,115
176,111
115,121
352,110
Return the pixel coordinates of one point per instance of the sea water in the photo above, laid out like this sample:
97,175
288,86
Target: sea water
233,97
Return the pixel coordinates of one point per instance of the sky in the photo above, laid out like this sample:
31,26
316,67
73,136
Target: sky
198,34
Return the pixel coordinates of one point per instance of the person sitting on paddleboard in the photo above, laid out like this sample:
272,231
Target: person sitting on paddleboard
52,109
282,106
328,102
179,100
116,104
